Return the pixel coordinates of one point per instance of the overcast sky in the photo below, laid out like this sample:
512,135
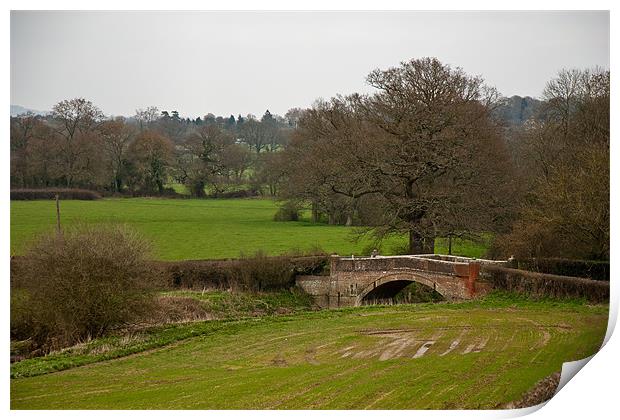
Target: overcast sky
247,62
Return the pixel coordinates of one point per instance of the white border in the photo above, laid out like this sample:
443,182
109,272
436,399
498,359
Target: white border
592,394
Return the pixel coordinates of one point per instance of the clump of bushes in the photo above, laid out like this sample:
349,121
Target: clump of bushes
288,212
78,285
50,193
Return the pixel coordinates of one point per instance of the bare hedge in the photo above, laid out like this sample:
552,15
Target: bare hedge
545,285
598,270
256,272
50,193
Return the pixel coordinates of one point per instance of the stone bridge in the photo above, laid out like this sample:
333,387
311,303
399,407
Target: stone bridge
355,280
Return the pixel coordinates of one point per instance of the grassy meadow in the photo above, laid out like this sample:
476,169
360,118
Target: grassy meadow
184,229
479,354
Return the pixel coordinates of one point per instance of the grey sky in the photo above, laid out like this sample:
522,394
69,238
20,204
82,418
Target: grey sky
247,62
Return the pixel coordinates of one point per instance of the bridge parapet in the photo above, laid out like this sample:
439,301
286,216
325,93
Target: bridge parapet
457,267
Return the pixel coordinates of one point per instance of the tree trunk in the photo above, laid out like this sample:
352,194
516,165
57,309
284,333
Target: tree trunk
315,213
429,245
449,244
416,243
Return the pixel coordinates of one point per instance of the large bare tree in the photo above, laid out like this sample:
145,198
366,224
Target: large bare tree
75,121
200,161
116,136
424,144
151,156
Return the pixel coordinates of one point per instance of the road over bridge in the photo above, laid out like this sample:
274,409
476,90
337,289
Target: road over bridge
354,280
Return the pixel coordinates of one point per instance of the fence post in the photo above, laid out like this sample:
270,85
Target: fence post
58,214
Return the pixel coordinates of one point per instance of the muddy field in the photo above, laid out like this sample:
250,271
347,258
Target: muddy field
416,356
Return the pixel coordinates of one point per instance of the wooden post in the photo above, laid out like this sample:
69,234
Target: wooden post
449,244
58,214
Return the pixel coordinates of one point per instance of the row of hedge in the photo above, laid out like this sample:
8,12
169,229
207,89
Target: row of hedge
598,270
82,194
50,193
541,285
257,272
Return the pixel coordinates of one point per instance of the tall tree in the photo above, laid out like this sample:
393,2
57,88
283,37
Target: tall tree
151,156
75,121
424,144
146,117
201,159
255,135
23,131
116,136
566,158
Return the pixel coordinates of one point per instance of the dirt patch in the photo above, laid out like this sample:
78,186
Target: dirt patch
456,342
423,349
310,356
481,345
279,361
408,330
543,391
396,348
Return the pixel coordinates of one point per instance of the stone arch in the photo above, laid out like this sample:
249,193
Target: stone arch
408,276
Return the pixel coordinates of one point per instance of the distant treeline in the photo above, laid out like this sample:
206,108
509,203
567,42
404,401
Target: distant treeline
433,152
75,146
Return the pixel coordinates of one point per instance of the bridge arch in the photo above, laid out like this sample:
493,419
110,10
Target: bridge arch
405,278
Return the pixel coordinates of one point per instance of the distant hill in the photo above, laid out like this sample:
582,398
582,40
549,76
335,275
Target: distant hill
19,110
516,109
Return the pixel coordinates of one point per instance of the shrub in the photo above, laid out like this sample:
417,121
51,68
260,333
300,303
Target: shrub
50,193
288,212
79,284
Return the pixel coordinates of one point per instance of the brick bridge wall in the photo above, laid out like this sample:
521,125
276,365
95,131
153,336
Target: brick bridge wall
351,279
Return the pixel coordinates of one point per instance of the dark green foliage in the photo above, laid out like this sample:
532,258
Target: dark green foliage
50,193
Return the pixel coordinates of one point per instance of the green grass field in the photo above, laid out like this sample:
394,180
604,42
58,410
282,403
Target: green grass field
182,229
470,355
